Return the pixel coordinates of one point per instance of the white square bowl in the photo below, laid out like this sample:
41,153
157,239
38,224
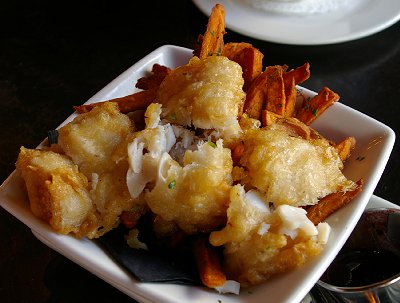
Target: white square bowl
374,145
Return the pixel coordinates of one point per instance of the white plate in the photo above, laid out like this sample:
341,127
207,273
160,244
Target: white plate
366,18
374,142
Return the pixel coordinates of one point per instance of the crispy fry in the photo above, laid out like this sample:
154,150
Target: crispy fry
331,203
158,73
290,96
314,107
293,126
248,57
266,92
233,49
139,100
208,263
212,42
291,79
299,74
255,97
252,65
345,148
268,118
275,101
130,103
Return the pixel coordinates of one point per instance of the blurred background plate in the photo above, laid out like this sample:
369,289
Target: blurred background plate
366,18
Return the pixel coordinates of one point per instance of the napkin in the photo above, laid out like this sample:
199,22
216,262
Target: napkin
156,264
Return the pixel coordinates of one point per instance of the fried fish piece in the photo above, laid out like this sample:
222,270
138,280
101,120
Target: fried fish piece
206,94
97,141
58,192
91,138
260,241
195,195
290,169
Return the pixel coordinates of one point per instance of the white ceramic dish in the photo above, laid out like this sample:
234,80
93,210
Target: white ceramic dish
375,142
364,19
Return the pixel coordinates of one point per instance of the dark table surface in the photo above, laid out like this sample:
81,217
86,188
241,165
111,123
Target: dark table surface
56,54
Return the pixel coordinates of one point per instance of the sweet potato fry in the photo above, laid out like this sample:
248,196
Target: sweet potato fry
208,263
248,57
275,92
212,42
314,107
291,79
266,92
345,147
233,49
290,96
299,74
268,118
255,97
331,203
130,103
158,73
252,65
293,126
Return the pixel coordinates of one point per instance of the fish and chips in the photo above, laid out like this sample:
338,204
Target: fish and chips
225,156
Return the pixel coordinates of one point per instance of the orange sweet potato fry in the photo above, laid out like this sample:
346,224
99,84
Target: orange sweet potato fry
255,97
331,203
266,92
252,65
299,74
208,263
212,42
268,118
158,73
291,79
290,96
292,125
295,127
233,49
248,57
314,107
130,103
275,91
345,148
